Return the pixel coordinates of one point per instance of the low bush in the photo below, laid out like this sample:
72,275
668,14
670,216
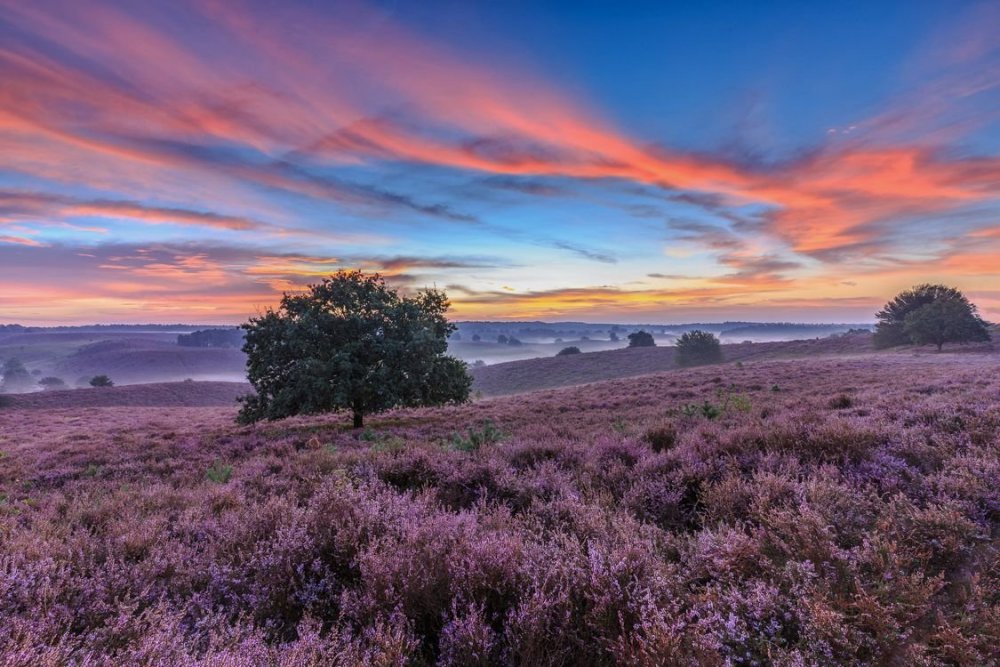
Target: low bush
841,402
219,473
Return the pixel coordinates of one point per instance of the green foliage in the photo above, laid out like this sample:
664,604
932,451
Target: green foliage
351,343
706,410
487,434
382,442
733,402
953,318
696,348
101,381
16,377
729,402
219,473
572,349
945,321
641,339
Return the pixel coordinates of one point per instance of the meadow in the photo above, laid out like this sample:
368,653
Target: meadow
834,510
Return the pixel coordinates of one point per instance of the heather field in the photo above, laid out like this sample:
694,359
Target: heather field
797,512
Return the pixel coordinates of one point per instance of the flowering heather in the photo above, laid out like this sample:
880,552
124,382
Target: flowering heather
810,512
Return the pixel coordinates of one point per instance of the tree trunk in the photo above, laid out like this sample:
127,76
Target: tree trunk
939,346
359,419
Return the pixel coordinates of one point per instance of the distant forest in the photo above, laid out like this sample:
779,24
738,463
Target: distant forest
229,337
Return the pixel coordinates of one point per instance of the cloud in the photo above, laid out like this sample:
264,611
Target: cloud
586,253
114,97
227,281
39,205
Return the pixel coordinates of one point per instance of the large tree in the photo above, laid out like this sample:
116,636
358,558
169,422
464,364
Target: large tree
351,343
929,314
944,321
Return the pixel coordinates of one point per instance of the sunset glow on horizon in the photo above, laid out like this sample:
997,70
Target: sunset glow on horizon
190,161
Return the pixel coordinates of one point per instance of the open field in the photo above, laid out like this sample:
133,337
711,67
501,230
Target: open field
547,373
817,511
157,395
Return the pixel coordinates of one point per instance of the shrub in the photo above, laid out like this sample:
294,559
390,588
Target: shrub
641,339
572,349
662,438
487,434
219,473
16,377
841,402
696,348
52,382
101,381
706,410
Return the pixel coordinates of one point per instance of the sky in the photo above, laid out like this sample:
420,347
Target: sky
192,160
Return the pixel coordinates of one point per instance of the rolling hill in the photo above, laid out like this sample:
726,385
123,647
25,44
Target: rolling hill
821,510
534,374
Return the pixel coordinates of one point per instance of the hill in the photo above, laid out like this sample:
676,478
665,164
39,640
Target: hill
137,360
533,374
839,510
162,395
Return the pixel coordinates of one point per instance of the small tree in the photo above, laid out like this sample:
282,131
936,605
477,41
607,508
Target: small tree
51,382
101,381
944,321
502,339
695,348
641,339
890,330
572,349
351,343
16,377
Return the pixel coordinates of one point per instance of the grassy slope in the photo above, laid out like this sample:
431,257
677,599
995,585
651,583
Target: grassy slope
161,394
605,527
533,374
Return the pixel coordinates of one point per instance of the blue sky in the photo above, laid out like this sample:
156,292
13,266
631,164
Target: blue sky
190,161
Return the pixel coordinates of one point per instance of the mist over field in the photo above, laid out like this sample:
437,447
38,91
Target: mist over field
142,354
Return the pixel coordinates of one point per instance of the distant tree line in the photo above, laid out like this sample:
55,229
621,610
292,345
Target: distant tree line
212,338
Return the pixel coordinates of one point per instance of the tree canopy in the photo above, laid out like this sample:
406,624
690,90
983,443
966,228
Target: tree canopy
101,381
929,314
641,339
16,377
695,348
572,349
351,343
